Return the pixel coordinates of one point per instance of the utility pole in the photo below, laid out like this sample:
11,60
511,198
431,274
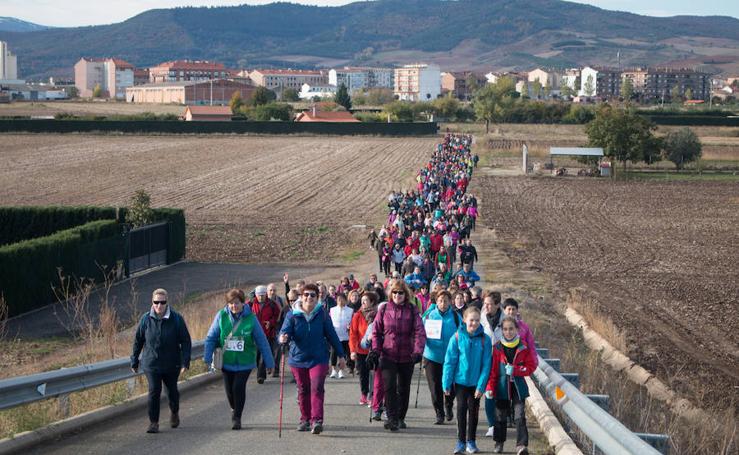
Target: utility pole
211,91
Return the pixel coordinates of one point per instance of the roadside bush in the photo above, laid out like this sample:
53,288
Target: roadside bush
25,223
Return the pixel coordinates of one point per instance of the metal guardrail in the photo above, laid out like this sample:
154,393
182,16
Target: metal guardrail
27,389
605,431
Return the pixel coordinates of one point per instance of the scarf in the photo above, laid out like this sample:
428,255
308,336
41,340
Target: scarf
510,343
369,313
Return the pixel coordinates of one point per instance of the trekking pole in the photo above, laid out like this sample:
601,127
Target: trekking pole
283,347
418,386
371,393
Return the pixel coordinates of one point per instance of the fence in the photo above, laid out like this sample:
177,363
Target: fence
236,127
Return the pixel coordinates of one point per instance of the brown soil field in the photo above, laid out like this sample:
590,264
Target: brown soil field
246,199
86,108
658,259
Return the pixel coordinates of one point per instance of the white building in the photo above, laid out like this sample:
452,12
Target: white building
8,64
111,74
359,78
308,92
600,82
417,82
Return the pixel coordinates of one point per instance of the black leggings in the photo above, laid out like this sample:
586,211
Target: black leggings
155,381
397,379
466,402
235,384
335,357
434,372
503,408
364,373
386,267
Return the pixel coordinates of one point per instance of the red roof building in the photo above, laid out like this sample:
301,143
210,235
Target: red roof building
315,115
208,114
187,70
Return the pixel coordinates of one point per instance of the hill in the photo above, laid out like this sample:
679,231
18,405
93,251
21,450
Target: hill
11,24
476,34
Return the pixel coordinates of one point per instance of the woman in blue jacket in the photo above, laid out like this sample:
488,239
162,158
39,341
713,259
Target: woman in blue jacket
441,314
467,367
307,328
237,331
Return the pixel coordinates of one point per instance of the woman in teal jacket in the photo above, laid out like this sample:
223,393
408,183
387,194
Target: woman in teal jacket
467,367
435,350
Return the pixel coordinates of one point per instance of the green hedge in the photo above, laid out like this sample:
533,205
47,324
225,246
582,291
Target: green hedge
28,269
693,120
25,223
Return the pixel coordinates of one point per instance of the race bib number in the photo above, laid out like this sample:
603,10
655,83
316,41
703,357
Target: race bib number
433,329
234,344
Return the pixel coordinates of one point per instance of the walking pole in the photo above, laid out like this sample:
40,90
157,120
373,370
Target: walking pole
283,347
418,387
371,393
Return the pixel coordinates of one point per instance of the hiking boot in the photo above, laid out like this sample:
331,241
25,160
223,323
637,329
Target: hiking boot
472,447
459,448
390,425
303,426
498,447
174,420
522,450
317,427
401,424
236,424
153,427
439,419
449,414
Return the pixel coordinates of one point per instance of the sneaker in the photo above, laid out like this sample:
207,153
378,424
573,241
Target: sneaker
401,424
490,432
260,380
377,416
439,419
303,426
392,426
449,414
498,447
236,424
333,374
317,427
472,447
459,448
363,399
522,450
341,374
153,427
174,420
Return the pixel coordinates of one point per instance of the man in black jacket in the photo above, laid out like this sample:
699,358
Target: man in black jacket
163,336
467,253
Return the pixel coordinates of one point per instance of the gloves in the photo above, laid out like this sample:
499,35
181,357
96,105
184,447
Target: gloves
373,360
489,394
509,369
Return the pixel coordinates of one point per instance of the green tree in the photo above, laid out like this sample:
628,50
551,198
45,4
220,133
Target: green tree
139,211
399,111
681,147
525,88
379,96
675,94
290,94
262,95
342,97
589,87
446,107
688,94
623,135
492,101
97,92
236,102
536,88
627,89
565,91
271,112
472,84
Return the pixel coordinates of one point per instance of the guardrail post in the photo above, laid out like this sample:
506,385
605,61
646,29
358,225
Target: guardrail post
554,363
65,407
601,400
660,442
573,378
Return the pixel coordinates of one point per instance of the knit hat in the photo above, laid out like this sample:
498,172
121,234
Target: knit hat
261,290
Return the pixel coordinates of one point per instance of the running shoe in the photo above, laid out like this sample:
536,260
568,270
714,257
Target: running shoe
472,447
459,448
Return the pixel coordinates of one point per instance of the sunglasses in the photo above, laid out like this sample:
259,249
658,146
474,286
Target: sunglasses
159,302
309,294
399,292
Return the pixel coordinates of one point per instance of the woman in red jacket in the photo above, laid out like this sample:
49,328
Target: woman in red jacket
361,319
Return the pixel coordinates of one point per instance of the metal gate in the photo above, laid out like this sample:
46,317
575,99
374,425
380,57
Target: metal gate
147,247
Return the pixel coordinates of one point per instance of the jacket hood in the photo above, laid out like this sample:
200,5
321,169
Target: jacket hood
478,333
246,311
298,309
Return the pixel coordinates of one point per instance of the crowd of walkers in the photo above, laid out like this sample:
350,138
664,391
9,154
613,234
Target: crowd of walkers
428,311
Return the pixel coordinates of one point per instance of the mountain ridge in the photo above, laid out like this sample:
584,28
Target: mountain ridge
12,24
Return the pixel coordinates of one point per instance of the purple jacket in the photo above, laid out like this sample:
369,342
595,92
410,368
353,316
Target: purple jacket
524,333
398,333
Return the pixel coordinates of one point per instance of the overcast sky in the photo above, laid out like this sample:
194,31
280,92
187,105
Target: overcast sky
92,12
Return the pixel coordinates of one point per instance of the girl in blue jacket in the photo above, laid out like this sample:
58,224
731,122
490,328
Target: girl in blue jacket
467,367
438,315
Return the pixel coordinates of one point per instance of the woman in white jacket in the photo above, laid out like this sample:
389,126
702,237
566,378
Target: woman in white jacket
341,317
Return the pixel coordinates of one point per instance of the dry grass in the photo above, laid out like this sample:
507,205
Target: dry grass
603,325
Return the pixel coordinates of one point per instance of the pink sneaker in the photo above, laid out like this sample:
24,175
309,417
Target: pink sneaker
363,400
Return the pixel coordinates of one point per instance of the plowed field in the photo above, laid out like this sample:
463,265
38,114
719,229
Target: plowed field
260,199
659,259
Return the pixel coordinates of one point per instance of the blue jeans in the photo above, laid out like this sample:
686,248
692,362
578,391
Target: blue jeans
490,411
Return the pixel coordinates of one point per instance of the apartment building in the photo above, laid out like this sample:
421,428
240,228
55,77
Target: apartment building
187,70
113,75
361,78
600,82
279,80
458,83
8,64
652,84
417,82
551,79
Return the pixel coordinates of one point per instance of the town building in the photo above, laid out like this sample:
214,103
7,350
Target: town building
360,78
187,70
208,114
571,78
33,92
600,82
316,115
308,92
113,75
216,92
417,82
140,76
8,64
652,84
279,80
458,83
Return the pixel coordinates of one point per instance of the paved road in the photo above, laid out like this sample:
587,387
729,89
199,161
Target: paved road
206,427
180,280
